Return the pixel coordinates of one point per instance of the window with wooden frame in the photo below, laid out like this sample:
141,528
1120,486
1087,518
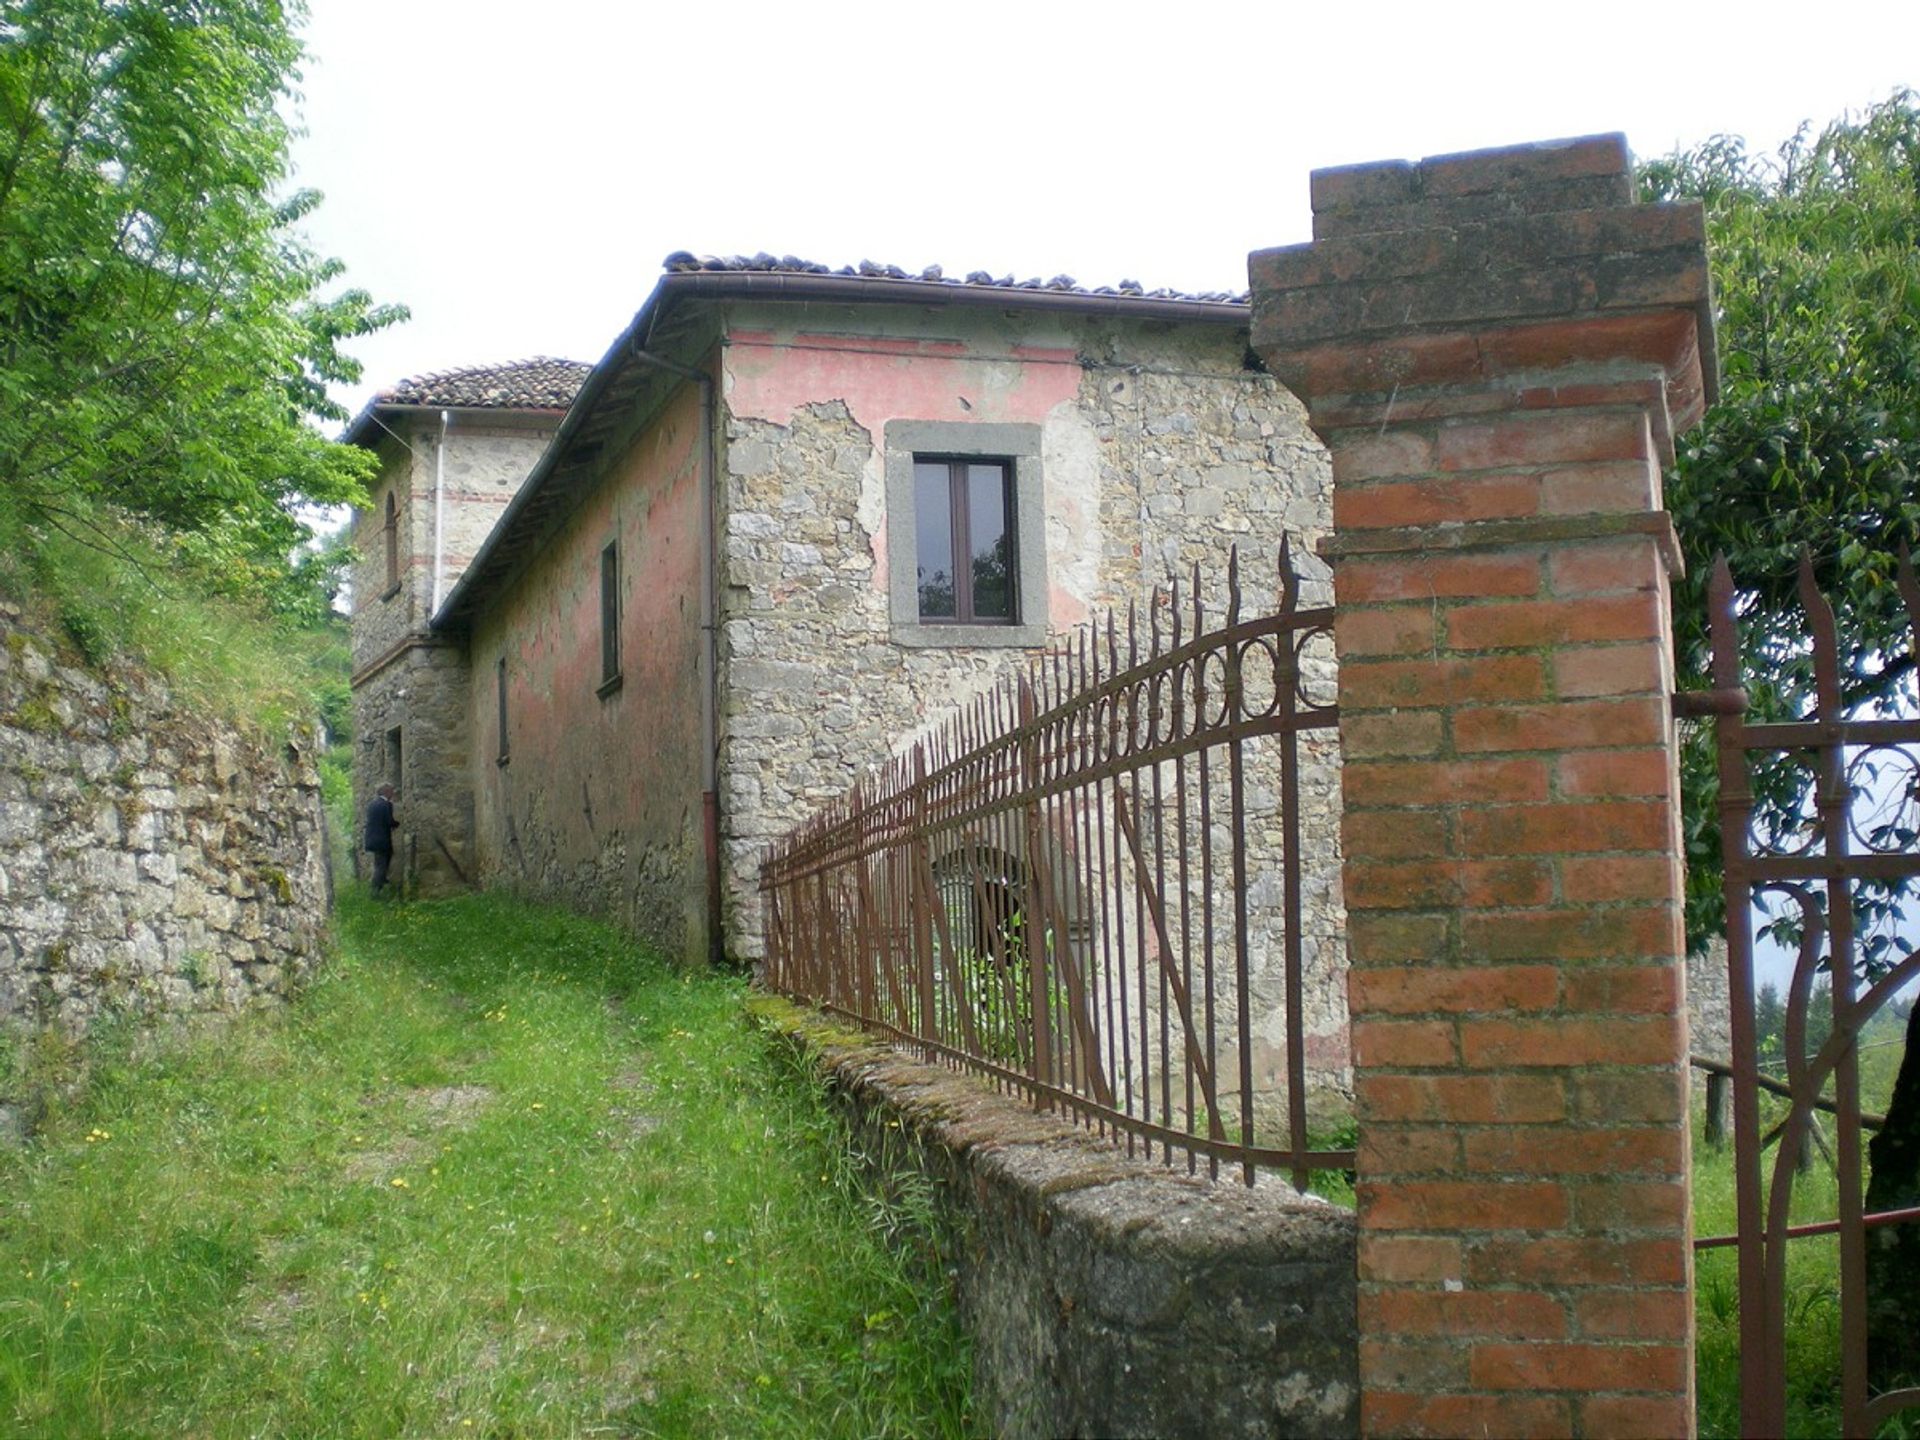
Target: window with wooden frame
500,697
390,536
610,618
966,534
966,565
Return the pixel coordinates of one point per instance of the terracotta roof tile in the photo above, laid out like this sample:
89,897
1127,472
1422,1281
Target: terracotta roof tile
682,261
541,383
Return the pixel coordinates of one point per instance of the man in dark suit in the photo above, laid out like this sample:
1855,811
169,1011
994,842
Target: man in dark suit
379,839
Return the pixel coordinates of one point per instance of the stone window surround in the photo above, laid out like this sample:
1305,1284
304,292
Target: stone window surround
1019,446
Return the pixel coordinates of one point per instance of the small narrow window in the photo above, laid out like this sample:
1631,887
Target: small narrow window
392,771
964,524
500,694
391,538
610,617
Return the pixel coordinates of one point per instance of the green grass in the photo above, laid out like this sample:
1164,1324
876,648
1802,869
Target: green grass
495,1174
111,590
1813,1305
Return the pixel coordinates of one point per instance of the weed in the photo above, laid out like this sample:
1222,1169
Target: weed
497,1165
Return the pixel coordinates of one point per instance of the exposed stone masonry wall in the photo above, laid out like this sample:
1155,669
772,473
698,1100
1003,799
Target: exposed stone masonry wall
152,861
1165,453
1106,1294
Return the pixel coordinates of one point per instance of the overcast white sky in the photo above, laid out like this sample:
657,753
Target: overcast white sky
516,172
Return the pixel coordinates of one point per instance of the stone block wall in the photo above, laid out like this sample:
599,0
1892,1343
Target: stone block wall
152,860
407,678
1159,450
1106,1295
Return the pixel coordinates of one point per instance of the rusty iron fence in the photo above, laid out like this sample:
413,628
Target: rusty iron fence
1834,867
1070,887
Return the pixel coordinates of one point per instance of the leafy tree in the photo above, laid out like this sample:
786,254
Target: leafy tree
165,342
1814,446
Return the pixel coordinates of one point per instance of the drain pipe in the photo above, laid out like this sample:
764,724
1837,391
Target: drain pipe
439,513
709,641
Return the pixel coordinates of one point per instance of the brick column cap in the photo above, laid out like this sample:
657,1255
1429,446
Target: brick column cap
1471,268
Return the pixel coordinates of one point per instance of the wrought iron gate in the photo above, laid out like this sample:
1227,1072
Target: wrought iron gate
1853,842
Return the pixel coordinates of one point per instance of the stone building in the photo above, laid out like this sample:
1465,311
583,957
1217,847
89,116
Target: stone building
453,449
791,518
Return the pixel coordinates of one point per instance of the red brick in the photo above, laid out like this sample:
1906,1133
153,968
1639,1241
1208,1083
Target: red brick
1387,1413
1418,1150
1610,670
1494,1043
1373,455
1435,501
1363,582
1554,829
1415,1258
1452,990
1492,884
1524,624
1608,568
1462,1099
1402,885
1443,782
1577,934
1624,989
1402,1044
1390,684
1369,737
1635,1417
1384,630
1462,1205
1517,169
1534,1150
1658,1205
1394,834
1415,1364
1506,1314
1579,1367
1639,1313
1615,773
1568,725
1395,940
1648,1097
1575,1261
1618,877
1545,439
1611,486
1428,885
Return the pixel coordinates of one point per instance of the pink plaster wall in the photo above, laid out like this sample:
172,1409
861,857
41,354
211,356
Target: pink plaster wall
882,378
600,803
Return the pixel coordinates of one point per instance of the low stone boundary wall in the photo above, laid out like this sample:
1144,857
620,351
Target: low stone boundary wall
1105,1295
153,861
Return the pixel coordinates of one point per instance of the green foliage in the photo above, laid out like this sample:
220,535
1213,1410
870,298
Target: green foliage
1814,444
131,592
164,336
499,1172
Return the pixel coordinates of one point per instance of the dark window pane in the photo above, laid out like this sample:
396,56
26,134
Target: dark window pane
990,537
610,612
933,539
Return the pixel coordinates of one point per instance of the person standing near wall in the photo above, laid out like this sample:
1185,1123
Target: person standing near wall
379,836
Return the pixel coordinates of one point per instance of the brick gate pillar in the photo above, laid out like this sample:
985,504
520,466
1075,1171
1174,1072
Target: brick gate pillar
1498,348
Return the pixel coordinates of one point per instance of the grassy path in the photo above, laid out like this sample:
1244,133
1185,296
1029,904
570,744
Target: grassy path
497,1174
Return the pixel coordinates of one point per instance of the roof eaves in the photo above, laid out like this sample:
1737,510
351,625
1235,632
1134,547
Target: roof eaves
733,284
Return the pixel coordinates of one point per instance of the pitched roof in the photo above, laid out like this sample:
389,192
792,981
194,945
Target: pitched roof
682,262
639,361
540,383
